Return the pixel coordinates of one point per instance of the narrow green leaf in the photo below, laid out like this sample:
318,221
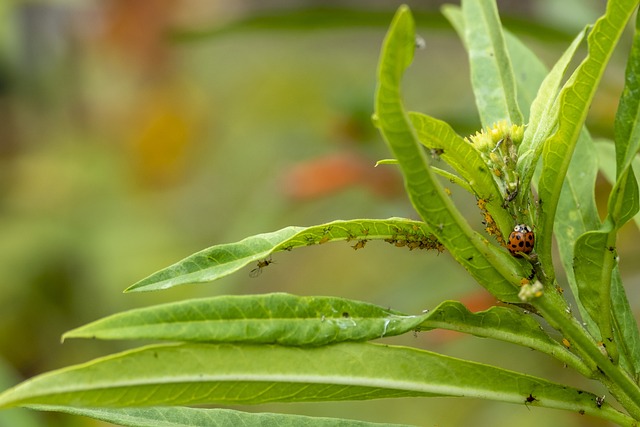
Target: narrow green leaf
190,374
453,13
623,201
607,157
493,268
596,256
592,269
574,103
626,326
492,77
528,70
627,122
578,213
269,318
198,417
216,262
221,260
543,116
466,161
501,323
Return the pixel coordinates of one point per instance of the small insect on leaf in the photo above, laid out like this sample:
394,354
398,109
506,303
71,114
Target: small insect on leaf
258,270
360,244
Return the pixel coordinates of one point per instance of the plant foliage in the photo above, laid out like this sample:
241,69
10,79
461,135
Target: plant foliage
318,349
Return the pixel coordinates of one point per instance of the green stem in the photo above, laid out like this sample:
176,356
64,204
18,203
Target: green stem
552,307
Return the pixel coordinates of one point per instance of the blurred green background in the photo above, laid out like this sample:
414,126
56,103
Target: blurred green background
134,133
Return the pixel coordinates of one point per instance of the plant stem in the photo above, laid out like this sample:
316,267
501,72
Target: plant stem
622,387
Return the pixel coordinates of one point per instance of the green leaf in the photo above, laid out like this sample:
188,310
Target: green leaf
627,122
626,326
269,318
528,70
575,99
578,213
543,116
221,260
492,77
190,374
592,269
493,268
216,262
501,323
596,256
466,161
453,14
623,201
607,157
198,417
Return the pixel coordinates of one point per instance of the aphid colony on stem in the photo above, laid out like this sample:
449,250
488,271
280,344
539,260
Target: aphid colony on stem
498,147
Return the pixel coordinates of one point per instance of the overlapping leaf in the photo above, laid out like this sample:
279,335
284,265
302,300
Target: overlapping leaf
575,98
492,77
467,162
189,374
199,417
221,260
493,268
268,318
501,323
595,253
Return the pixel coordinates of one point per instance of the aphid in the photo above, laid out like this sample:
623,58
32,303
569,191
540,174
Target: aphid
532,275
258,270
530,399
521,239
482,204
436,152
359,245
600,401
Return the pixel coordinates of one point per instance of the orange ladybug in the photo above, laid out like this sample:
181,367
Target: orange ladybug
521,239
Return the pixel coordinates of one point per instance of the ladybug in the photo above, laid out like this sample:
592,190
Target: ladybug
521,239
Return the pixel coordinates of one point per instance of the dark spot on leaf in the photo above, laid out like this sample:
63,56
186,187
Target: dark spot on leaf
581,411
345,315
